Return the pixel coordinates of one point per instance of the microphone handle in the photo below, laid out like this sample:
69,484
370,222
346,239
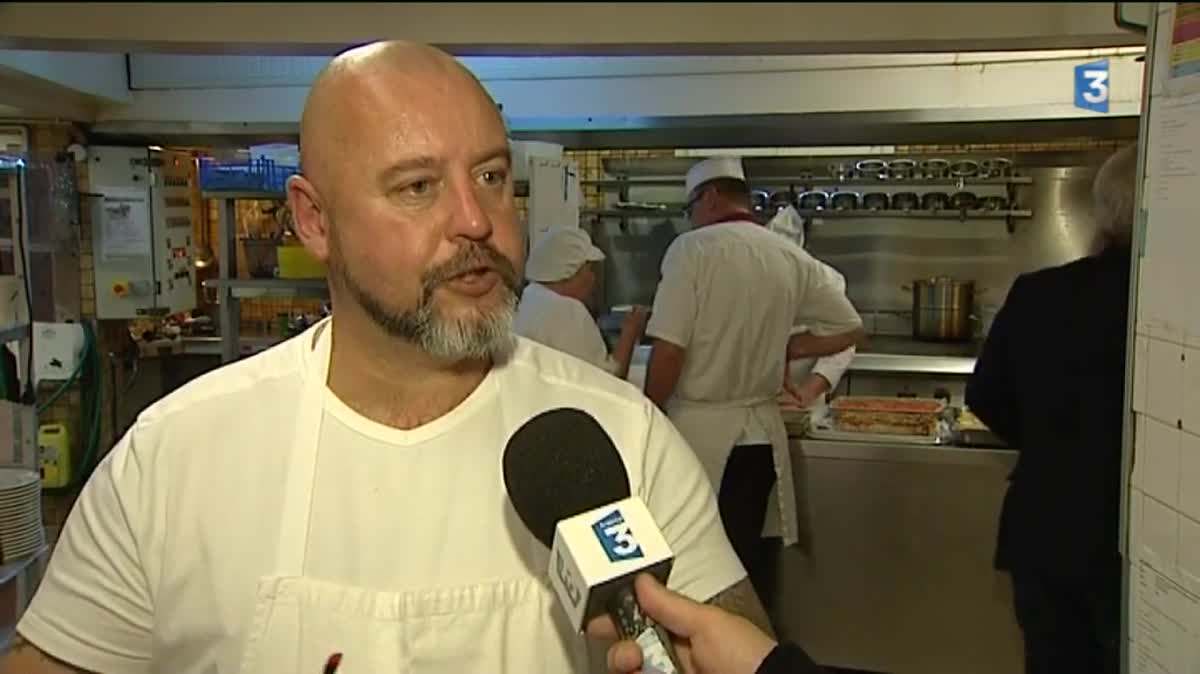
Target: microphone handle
658,653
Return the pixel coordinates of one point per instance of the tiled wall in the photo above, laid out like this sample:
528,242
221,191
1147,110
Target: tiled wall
1164,508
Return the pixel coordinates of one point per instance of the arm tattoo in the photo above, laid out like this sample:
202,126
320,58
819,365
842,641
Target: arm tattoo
740,599
25,658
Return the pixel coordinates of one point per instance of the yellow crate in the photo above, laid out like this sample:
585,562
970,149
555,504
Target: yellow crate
297,262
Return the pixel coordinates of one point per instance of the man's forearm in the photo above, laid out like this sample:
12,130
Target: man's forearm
741,599
807,345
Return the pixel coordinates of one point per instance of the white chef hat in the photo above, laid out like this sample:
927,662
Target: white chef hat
712,169
560,253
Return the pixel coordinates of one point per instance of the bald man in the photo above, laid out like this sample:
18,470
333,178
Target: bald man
338,498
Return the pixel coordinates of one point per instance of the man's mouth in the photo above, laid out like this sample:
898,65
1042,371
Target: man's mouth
474,282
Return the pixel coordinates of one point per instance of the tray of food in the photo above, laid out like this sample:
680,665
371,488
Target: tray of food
917,421
891,416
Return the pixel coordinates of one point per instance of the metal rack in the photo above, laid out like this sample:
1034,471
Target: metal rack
802,182
230,289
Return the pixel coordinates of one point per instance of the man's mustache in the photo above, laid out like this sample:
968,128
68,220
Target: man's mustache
473,257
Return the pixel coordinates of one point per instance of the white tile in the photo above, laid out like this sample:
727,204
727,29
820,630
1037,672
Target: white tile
1159,537
1156,462
1164,381
1141,353
1189,475
1189,554
1191,390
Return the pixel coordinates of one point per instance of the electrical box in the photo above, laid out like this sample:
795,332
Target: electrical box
57,350
54,454
141,232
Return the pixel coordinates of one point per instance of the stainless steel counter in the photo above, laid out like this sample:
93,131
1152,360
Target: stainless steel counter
904,453
901,578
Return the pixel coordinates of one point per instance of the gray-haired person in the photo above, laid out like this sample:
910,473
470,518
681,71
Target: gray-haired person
1050,382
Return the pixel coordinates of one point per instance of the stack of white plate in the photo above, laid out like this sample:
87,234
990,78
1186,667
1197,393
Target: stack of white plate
21,531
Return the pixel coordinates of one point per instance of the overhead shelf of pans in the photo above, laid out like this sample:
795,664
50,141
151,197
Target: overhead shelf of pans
941,214
617,184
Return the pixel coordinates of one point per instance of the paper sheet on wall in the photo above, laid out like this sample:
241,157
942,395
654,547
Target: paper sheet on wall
1166,637
1183,73
125,223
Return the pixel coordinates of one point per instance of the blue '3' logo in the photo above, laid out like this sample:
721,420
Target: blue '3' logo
616,538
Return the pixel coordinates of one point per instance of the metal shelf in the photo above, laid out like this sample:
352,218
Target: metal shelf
979,214
250,288
245,195
822,181
14,332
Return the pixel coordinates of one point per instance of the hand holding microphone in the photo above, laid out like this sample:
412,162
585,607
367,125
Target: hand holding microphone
708,640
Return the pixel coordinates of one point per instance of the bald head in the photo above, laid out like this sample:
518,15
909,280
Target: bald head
407,195
364,84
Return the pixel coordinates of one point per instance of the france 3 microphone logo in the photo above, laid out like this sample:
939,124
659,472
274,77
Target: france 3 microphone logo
616,538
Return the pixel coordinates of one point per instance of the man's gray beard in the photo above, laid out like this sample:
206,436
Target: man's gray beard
489,335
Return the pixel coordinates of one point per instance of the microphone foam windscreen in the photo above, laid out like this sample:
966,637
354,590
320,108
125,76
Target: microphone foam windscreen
559,464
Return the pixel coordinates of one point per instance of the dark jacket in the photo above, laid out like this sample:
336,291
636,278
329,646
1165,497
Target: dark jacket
788,659
1050,382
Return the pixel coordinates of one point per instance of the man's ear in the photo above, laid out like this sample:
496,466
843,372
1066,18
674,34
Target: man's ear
308,216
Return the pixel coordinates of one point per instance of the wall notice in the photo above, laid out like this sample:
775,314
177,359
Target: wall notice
1166,638
125,223
1184,74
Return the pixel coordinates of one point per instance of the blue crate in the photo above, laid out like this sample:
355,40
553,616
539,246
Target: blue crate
252,175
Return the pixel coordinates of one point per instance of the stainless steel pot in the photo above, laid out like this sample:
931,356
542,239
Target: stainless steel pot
844,201
902,169
935,168
872,168
934,201
875,201
943,309
998,167
905,201
813,201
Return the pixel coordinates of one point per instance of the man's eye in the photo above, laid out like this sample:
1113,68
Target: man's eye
493,177
418,188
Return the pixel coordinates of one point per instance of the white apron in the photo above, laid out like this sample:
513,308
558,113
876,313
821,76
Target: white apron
299,622
712,429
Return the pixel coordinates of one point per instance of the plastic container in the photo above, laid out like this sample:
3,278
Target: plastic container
297,262
252,175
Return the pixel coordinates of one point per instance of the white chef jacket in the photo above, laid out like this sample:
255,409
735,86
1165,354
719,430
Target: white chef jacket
831,367
252,523
562,323
731,294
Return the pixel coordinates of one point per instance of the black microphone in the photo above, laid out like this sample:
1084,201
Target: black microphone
569,486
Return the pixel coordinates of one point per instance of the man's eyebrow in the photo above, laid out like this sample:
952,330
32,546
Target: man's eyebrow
504,153
405,165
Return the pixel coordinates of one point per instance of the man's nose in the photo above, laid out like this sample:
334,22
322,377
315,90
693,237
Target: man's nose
468,218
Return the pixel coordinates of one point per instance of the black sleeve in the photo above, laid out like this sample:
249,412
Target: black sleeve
992,390
788,659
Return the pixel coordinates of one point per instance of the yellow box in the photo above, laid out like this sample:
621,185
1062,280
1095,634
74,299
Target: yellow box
297,262
54,455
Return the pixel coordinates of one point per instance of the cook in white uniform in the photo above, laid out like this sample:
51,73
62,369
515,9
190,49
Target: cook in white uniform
808,380
552,309
342,492
731,293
